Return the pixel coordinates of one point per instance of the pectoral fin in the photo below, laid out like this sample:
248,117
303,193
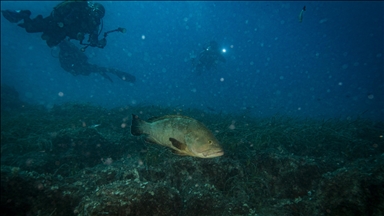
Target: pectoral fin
149,139
177,144
179,153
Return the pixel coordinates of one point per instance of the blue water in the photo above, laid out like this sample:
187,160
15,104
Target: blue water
330,65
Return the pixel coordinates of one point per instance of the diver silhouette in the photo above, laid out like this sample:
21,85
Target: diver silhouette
208,59
72,19
74,61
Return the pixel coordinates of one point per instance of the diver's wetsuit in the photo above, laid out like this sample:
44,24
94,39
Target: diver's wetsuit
71,19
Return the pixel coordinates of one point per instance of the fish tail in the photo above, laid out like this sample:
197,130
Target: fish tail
136,127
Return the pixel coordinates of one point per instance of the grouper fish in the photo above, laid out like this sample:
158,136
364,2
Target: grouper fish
184,135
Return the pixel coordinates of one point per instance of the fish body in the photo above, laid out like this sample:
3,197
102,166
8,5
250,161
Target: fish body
301,14
185,135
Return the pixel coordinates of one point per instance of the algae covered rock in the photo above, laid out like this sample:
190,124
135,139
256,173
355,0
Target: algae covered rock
131,197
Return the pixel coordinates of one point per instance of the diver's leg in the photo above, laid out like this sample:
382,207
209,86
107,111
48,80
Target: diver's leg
38,24
100,70
16,16
122,75
52,34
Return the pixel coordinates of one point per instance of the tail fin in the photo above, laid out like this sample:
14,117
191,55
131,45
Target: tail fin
136,127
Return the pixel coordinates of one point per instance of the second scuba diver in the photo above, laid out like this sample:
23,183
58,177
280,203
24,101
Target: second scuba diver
208,59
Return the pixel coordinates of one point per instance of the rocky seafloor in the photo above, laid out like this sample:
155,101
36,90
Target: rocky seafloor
79,159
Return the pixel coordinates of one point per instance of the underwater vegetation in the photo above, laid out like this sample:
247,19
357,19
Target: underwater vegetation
80,159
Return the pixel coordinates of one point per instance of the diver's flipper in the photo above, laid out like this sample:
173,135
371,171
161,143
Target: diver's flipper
177,144
15,16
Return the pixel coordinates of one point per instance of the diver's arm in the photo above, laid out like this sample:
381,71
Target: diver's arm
95,42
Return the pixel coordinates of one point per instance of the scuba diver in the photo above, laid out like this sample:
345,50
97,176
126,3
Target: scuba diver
73,19
74,61
208,59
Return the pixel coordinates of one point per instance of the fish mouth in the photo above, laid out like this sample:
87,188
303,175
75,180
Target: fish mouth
219,153
214,154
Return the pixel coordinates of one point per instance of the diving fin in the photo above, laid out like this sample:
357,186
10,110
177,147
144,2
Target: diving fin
15,16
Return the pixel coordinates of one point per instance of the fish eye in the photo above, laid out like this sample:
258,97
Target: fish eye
210,142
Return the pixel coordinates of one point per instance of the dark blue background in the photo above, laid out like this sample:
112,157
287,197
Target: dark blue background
330,65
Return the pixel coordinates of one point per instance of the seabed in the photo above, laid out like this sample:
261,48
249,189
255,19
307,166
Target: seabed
80,159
